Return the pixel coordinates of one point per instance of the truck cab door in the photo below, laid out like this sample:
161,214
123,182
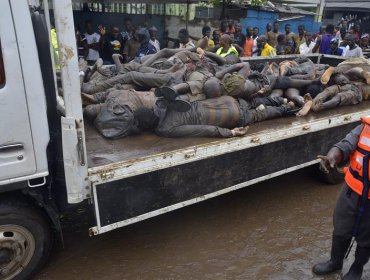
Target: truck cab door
17,156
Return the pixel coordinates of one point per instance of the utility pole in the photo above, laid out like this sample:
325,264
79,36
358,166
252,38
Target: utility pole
320,10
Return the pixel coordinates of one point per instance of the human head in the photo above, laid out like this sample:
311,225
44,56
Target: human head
153,33
308,37
225,40
322,30
344,23
287,28
128,24
268,27
261,42
114,31
143,35
342,32
356,28
250,31
281,39
276,26
301,29
230,23
224,26
340,79
350,40
206,31
216,35
183,36
212,88
329,28
146,118
364,40
334,44
89,27
115,121
256,30
238,27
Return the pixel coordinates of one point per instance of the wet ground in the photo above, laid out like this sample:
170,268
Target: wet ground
273,230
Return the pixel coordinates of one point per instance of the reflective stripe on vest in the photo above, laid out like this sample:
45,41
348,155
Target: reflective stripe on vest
231,49
354,174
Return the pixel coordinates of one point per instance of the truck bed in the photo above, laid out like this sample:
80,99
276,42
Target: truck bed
102,151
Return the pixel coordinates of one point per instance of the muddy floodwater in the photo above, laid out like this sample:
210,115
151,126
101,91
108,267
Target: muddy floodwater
273,230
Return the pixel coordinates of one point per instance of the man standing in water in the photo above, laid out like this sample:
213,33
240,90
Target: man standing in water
352,212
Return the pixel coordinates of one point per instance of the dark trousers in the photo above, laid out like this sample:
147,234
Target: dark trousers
345,214
144,81
249,115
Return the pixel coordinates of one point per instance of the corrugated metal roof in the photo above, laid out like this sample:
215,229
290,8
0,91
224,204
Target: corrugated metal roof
348,4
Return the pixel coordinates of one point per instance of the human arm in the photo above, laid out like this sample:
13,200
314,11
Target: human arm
203,131
239,49
317,44
203,43
342,150
232,68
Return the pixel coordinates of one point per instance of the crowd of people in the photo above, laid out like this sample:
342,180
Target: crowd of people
133,42
201,87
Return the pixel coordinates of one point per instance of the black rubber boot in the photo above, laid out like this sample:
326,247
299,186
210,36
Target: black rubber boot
361,258
339,248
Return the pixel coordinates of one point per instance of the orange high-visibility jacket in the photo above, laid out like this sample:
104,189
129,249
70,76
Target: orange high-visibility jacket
354,173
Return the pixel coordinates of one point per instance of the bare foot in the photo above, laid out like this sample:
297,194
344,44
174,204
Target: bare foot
317,105
117,58
305,109
87,99
366,75
307,97
327,74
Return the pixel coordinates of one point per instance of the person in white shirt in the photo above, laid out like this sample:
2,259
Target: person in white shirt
185,42
153,38
93,43
306,48
256,30
353,49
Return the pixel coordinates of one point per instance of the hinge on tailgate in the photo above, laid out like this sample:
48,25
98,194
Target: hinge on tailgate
80,147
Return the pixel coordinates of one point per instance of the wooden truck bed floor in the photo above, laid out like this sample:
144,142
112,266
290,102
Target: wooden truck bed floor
102,151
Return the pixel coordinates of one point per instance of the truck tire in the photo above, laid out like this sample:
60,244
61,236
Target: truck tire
334,177
25,241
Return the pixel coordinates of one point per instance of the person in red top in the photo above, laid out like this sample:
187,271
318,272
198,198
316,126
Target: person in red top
231,24
248,45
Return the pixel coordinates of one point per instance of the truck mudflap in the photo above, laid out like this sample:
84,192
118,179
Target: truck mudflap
129,200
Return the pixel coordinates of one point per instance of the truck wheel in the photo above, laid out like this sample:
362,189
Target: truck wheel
334,177
25,241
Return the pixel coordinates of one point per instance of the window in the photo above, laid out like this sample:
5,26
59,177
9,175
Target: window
2,71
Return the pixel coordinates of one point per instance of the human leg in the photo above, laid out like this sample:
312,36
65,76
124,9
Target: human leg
294,95
277,93
343,220
267,101
142,80
362,256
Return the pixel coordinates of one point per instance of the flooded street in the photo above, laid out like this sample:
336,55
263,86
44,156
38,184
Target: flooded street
273,230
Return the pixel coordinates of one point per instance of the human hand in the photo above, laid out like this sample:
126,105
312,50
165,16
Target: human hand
326,163
102,30
239,131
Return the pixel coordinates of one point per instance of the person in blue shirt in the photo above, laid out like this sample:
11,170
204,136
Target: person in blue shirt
334,48
145,47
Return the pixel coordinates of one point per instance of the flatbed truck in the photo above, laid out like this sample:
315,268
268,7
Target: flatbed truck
50,161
